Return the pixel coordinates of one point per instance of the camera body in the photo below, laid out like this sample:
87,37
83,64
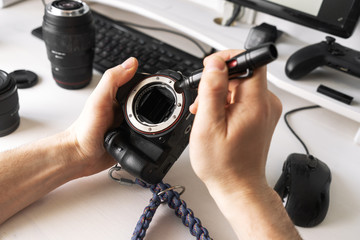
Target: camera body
69,35
157,125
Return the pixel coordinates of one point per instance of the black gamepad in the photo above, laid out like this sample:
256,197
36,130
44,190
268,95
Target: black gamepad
328,53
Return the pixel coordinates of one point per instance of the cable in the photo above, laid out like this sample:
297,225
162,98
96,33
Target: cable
235,14
292,130
169,31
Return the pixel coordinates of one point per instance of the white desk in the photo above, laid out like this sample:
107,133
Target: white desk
97,208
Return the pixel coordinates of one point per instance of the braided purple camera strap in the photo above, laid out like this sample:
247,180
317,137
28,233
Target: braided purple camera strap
164,193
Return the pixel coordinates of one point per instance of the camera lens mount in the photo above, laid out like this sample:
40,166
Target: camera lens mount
153,106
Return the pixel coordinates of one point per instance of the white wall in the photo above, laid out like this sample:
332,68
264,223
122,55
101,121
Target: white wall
214,4
304,34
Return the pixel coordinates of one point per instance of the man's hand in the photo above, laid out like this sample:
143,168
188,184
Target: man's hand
98,117
229,143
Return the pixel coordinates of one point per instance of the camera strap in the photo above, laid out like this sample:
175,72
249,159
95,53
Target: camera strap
164,193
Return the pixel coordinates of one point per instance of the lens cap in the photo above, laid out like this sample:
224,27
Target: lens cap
24,78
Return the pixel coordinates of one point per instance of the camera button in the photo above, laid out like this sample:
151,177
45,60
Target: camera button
177,76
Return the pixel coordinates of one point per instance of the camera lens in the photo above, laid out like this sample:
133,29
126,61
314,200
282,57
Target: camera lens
67,5
9,105
69,36
155,104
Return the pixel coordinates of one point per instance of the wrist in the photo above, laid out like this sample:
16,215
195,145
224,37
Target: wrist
255,212
62,149
242,191
86,154
232,183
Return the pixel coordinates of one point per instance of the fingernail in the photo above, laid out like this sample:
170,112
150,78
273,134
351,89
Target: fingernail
129,63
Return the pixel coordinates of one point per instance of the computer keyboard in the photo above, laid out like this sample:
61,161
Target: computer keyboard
115,42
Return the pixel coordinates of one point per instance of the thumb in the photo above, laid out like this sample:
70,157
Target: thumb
113,79
213,90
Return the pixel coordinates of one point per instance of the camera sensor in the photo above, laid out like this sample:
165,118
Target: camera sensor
153,106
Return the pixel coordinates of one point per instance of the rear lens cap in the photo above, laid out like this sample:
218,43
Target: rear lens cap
24,78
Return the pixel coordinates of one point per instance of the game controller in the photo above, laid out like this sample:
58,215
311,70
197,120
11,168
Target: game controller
326,53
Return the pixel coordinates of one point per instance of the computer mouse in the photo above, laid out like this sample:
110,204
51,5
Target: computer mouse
304,188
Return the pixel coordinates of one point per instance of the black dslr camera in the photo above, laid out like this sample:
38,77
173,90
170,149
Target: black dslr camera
158,122
157,127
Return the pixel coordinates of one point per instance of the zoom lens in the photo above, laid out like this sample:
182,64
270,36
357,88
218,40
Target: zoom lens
9,105
69,36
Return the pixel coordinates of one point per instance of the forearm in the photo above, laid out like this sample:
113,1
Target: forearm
255,213
32,171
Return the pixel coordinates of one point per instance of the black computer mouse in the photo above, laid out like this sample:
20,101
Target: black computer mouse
304,187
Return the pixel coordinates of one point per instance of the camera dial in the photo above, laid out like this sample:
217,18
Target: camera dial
67,8
153,106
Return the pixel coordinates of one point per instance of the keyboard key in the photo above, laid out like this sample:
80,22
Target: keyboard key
116,42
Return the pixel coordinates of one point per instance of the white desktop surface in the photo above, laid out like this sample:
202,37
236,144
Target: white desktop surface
95,207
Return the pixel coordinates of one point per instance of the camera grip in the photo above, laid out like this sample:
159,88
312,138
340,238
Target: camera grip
130,159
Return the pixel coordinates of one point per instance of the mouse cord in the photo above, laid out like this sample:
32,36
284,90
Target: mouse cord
292,130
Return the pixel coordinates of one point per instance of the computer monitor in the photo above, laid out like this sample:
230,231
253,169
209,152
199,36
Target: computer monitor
337,17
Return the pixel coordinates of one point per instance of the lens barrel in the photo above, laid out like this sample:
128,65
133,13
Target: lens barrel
69,36
9,105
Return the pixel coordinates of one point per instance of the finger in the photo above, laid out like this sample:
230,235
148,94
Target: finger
213,90
241,89
251,88
226,54
193,107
